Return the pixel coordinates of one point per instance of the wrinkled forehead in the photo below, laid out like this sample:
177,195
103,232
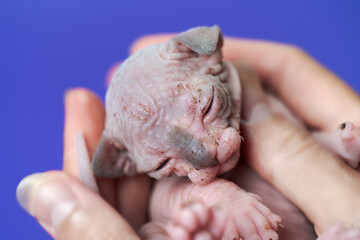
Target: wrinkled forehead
173,101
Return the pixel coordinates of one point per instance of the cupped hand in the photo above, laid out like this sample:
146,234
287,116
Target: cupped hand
64,206
84,112
287,156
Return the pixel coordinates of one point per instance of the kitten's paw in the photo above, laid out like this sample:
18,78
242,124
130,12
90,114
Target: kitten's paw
249,218
231,215
194,220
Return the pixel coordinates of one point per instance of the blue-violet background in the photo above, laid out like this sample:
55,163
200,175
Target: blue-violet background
48,46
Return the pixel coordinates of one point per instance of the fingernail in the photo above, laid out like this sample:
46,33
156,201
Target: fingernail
49,201
24,193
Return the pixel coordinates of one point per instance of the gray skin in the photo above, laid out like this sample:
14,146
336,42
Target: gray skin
173,108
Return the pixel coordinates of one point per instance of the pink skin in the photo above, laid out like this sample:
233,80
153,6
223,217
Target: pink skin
220,141
345,142
184,89
350,138
297,227
339,232
219,210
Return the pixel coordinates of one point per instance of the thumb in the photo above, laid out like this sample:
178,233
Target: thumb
290,159
67,209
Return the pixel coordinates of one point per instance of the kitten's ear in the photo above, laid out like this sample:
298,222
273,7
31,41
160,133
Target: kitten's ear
202,40
110,161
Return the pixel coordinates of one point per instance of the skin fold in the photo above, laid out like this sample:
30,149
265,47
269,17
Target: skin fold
176,114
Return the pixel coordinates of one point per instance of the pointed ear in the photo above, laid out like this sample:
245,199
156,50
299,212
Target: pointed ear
202,40
110,161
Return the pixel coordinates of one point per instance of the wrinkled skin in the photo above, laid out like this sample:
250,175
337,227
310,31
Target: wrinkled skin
218,210
173,108
222,208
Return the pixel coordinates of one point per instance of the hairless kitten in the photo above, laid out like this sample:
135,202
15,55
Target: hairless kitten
174,109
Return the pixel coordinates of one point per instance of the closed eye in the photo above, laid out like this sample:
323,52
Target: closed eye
209,104
163,164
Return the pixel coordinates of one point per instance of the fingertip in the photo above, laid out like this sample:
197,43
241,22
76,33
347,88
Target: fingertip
82,104
84,111
24,191
45,197
67,209
81,96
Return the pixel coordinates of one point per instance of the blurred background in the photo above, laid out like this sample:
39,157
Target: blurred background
49,46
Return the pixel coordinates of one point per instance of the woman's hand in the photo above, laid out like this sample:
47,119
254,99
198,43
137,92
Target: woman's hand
64,206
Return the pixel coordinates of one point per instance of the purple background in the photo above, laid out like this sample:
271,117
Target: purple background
49,46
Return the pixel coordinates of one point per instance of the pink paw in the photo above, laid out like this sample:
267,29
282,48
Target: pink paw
248,218
350,138
339,232
193,220
240,215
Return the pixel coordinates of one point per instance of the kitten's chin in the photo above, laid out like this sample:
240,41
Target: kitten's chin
203,176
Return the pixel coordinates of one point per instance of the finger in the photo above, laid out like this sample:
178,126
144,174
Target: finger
153,231
84,112
290,159
68,210
322,99
133,194
318,96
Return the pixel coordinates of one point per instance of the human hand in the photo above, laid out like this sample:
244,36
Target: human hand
288,157
63,205
313,178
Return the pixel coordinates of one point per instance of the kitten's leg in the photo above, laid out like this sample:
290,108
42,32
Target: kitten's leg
219,210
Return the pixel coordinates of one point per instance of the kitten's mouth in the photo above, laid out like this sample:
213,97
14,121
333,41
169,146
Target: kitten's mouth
163,164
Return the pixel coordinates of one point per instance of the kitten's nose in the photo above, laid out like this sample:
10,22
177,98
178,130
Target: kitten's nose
191,149
198,156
